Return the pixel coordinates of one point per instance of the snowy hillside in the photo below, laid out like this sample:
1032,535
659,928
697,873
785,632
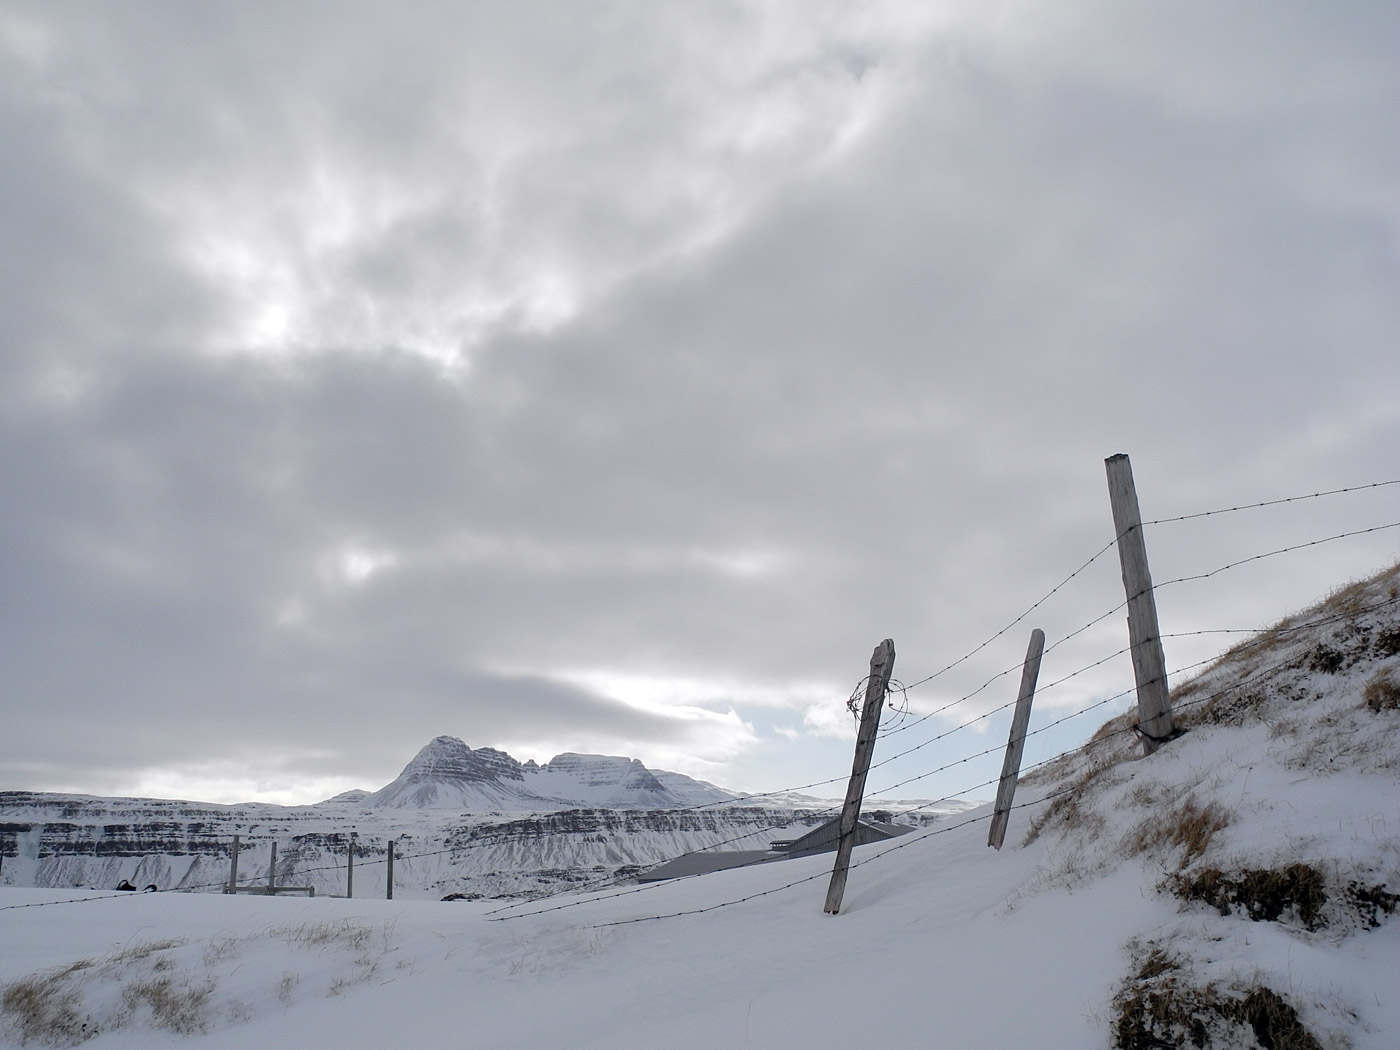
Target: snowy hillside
1235,889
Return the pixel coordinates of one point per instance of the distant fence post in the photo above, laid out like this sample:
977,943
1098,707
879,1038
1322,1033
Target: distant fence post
1016,742
1149,665
350,867
272,873
233,868
389,882
881,667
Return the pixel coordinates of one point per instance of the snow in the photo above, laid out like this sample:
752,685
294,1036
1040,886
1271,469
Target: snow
941,941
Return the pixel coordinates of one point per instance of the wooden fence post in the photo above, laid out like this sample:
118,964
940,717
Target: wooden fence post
350,867
1016,742
233,868
1149,665
389,882
881,667
272,873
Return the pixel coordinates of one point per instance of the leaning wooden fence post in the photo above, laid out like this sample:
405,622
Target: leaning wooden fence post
1149,665
389,881
1016,742
881,667
272,873
233,868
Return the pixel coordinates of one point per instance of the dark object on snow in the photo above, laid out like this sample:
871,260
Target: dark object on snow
124,885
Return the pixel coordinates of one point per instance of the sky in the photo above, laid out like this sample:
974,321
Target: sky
612,378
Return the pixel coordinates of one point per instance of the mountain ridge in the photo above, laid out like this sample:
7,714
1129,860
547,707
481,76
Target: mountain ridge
447,774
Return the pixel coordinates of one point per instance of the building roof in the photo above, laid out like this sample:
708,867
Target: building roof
704,863
822,839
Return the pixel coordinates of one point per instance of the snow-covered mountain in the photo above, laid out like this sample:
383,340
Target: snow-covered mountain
447,774
466,821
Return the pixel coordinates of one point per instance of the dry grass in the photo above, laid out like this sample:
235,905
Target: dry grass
44,1009
1158,1008
341,933
1382,692
1266,895
1190,827
175,1005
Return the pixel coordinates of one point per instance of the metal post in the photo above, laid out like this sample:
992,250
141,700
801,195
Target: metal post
1149,665
881,667
1016,742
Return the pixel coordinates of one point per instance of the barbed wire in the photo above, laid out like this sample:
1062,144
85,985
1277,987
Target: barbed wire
1271,502
1099,738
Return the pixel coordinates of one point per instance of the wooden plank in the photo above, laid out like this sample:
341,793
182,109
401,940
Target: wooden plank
1016,742
1149,664
233,867
881,667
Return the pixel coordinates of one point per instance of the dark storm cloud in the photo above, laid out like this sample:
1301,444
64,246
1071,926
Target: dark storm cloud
370,378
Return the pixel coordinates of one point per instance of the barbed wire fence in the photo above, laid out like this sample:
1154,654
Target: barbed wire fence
902,720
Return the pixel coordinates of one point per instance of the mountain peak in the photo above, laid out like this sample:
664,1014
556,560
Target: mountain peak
446,773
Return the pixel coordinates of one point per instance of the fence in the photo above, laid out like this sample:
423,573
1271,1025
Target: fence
902,726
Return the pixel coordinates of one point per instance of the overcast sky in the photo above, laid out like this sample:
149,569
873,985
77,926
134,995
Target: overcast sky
612,377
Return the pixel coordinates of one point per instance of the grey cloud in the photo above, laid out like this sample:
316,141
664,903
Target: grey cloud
803,401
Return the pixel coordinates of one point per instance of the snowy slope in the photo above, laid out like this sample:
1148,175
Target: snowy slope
1092,918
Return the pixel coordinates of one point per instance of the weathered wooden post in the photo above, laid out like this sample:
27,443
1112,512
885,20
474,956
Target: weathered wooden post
350,867
1016,742
272,873
881,667
233,868
1149,665
389,881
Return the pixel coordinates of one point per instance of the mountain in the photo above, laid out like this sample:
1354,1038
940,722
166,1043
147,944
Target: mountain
465,821
447,774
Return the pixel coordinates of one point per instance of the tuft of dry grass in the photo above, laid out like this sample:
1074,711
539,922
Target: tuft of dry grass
139,950
342,933
1265,894
1382,691
1158,1008
177,1006
1190,828
45,1009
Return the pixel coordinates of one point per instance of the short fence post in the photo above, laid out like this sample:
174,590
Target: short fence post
272,873
1016,742
881,667
233,868
1149,665
389,882
350,867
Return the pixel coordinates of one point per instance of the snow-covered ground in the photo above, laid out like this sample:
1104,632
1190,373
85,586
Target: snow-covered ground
1111,904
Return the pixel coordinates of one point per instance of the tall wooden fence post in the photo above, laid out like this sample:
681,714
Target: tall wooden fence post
1149,665
350,867
881,667
233,868
1016,742
272,873
389,882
